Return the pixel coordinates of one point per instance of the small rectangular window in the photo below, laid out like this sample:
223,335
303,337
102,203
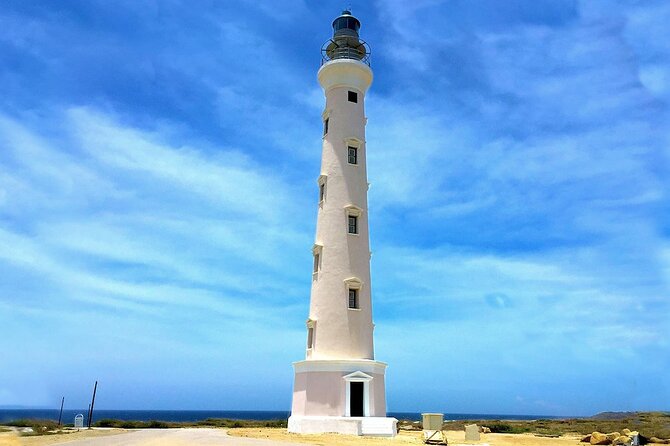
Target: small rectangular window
316,262
353,155
353,96
353,224
322,191
310,337
325,126
353,298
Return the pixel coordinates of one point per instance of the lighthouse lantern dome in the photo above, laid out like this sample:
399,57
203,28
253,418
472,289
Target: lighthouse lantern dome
346,43
346,25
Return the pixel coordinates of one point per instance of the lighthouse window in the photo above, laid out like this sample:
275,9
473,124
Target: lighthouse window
353,298
353,155
325,126
353,224
316,262
322,191
310,337
353,96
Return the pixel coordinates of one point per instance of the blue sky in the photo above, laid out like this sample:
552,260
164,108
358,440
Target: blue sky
158,202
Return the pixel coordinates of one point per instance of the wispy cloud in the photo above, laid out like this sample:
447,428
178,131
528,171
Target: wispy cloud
157,201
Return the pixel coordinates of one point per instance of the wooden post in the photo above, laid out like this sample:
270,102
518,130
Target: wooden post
60,415
90,411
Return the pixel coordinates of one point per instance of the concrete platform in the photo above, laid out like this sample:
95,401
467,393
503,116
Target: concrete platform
372,426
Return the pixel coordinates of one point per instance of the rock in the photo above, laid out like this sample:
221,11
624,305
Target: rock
485,430
613,436
626,432
621,439
658,440
472,432
598,438
586,439
409,426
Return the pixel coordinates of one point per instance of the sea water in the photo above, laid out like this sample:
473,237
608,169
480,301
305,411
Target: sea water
7,415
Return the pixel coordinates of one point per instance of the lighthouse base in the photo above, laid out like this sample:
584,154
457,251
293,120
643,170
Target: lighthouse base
373,426
343,396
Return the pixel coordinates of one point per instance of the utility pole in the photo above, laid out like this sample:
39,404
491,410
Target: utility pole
90,410
60,415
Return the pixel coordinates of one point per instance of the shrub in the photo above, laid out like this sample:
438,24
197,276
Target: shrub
106,422
505,428
39,427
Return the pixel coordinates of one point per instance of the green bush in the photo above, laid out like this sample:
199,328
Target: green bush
505,428
21,423
106,422
39,427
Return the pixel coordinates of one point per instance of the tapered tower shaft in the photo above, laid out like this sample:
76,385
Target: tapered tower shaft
339,387
340,303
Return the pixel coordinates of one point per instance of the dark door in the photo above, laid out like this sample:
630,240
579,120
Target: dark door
356,399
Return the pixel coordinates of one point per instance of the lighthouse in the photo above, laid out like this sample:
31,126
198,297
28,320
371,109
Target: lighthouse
339,387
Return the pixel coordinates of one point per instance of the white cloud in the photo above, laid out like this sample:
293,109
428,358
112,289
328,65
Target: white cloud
211,216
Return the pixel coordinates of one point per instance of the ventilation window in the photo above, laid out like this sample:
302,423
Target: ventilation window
353,224
311,330
353,155
317,251
353,96
322,188
353,298
317,257
353,286
310,337
352,214
325,126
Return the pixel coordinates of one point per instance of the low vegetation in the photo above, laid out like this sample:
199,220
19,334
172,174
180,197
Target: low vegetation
649,424
39,427
209,422
225,422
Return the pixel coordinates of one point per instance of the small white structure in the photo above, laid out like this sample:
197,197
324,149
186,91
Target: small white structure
432,428
339,387
79,421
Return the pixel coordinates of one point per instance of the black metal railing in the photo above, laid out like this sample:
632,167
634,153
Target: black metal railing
331,50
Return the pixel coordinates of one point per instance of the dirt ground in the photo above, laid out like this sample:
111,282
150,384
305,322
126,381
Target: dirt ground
404,438
13,439
280,436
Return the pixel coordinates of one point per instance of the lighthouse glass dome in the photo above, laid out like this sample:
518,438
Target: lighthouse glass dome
345,43
346,24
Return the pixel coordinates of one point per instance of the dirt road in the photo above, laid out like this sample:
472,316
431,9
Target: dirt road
150,437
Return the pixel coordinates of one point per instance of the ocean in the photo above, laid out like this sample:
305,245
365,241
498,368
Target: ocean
7,415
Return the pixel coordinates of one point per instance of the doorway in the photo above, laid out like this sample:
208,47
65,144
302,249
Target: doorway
356,398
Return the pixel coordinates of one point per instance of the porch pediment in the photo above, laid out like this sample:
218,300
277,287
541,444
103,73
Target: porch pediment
357,376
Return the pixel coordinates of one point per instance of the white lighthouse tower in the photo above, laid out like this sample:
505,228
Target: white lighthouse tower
339,387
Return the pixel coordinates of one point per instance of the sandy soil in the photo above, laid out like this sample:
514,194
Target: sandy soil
140,437
404,438
264,436
13,439
267,436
